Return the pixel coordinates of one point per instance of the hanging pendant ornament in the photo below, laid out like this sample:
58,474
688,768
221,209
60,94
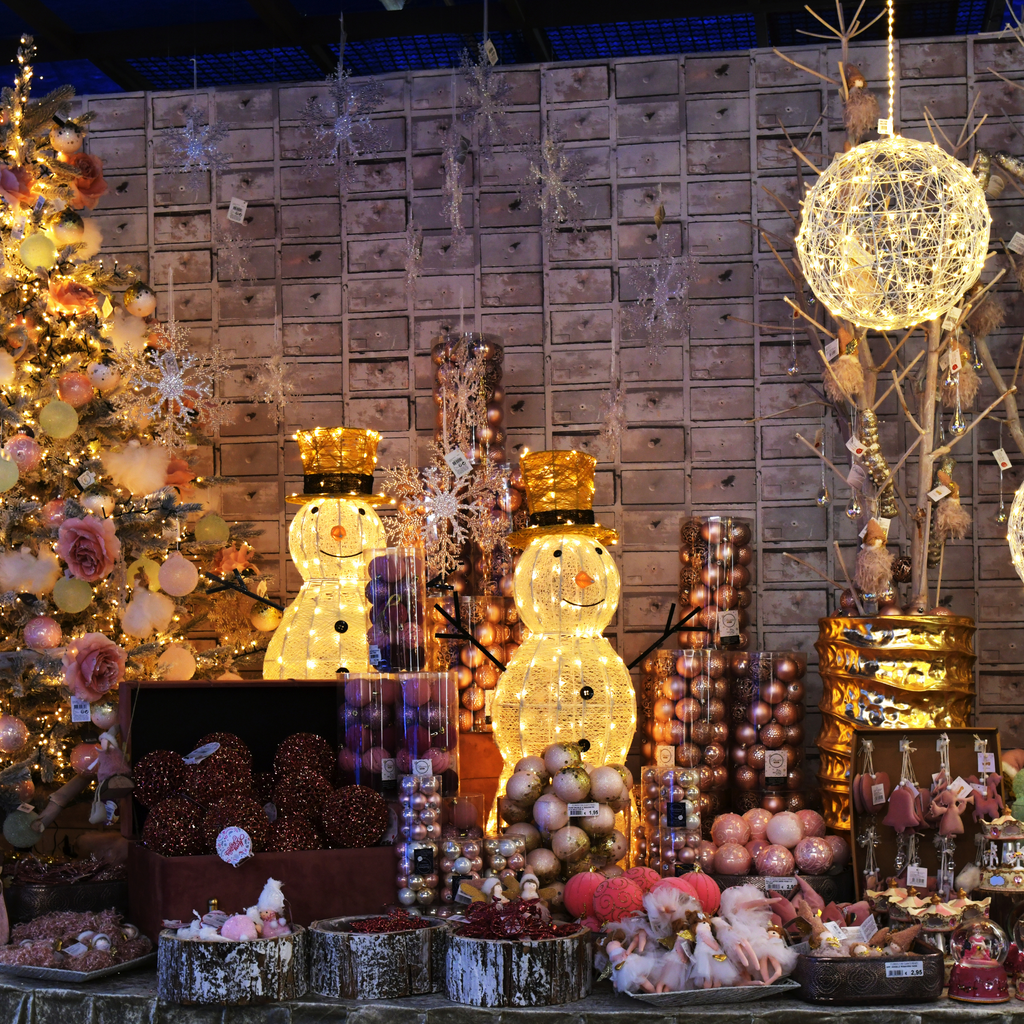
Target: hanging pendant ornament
195,147
824,497
893,231
794,366
1001,515
853,507
975,358
957,425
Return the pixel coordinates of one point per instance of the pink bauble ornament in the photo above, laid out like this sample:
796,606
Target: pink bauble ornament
730,828
775,861
755,846
104,714
440,760
178,576
786,829
645,878
415,691
757,818
75,388
42,633
579,893
52,514
732,859
616,898
706,855
570,844
813,823
550,813
13,734
840,850
544,864
85,757
357,692
25,451
813,856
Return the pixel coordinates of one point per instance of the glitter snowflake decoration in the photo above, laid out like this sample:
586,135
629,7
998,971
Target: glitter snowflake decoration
172,387
195,147
552,185
340,125
413,252
613,420
234,259
272,385
405,527
452,505
453,159
485,103
662,309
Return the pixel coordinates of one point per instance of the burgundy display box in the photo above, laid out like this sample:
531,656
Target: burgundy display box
317,883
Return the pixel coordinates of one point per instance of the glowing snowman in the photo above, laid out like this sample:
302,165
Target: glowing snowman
565,683
324,630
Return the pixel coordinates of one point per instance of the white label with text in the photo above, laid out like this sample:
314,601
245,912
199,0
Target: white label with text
236,210
986,762
80,710
832,351
917,876
458,463
856,445
877,794
1002,459
422,768
938,493
1016,244
905,969
589,809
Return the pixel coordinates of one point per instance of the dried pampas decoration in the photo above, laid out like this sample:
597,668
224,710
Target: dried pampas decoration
861,113
952,520
988,316
966,384
844,376
874,562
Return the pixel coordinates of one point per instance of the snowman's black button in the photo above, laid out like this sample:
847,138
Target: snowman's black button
340,626
584,745
587,692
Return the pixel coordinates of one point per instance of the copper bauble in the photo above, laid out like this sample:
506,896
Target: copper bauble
795,734
663,709
744,597
759,712
795,779
726,596
796,691
795,802
725,553
714,754
687,710
739,576
744,555
676,732
755,757
739,533
721,731
738,754
702,731
711,575
740,663
721,690
716,710
704,777
773,802
712,532
746,734
674,688
772,735
688,755
744,777
701,687
688,664
698,596
773,691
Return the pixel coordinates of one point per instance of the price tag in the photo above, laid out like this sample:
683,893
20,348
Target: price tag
728,625
422,768
939,492
979,745
832,351
885,126
955,357
423,860
200,754
986,762
664,756
80,710
676,813
39,204
458,463
234,845
856,445
781,884
867,928
776,764
86,479
26,808
589,809
1002,458
835,929
492,52
952,319
917,876
877,794
960,788
18,232
905,969
388,769
236,210
375,658
1016,243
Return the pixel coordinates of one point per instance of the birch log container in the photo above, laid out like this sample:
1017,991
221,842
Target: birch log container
380,965
194,972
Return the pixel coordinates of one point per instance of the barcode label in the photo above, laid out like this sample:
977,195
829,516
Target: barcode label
458,463
868,927
1016,243
832,351
590,809
877,794
905,969
952,319
783,883
1002,458
80,711
492,52
917,876
885,126
236,210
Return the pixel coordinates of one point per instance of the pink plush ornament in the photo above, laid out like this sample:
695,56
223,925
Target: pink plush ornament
732,859
274,927
239,929
813,823
785,829
730,828
902,814
775,861
988,804
813,855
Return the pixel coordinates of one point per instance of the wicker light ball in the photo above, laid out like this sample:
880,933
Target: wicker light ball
1015,532
893,233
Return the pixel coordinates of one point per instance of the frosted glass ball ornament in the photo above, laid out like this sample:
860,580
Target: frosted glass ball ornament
8,473
13,734
104,714
26,452
211,529
37,252
893,233
178,576
66,228
58,419
176,663
265,618
71,595
1015,531
140,300
103,377
18,829
41,633
75,389
67,137
565,683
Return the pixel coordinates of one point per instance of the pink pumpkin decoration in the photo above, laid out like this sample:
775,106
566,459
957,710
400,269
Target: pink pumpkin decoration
645,878
616,898
579,893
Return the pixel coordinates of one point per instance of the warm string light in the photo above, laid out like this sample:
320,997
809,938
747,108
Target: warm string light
892,71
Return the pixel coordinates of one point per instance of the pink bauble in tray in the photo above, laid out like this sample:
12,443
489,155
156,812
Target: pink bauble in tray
757,818
813,823
730,828
732,859
840,850
813,856
775,861
786,829
755,846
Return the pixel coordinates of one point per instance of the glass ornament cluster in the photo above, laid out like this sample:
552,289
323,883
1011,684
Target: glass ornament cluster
893,233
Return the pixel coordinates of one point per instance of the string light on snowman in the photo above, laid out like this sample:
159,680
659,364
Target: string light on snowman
894,231
324,630
565,684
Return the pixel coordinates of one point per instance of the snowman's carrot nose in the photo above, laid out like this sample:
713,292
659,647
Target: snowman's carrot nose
338,532
583,580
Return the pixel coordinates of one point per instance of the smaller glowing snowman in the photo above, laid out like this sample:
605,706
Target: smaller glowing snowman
324,630
565,683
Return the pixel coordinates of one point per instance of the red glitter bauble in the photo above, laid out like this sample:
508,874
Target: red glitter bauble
224,774
158,775
301,792
229,743
241,812
304,750
293,832
355,816
174,828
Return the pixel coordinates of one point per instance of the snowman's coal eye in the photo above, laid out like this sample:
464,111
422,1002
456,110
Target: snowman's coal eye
313,511
558,553
599,551
362,511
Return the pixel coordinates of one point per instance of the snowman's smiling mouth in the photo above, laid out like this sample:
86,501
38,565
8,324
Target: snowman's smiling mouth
331,555
579,604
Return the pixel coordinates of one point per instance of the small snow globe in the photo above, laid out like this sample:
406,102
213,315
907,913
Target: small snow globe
979,948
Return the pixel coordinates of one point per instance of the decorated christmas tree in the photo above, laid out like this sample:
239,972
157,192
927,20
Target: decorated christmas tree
103,542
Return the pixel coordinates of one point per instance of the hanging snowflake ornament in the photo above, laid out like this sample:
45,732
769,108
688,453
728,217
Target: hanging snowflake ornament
485,103
195,147
405,527
552,186
453,159
340,124
451,507
234,255
272,385
413,252
662,309
613,419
